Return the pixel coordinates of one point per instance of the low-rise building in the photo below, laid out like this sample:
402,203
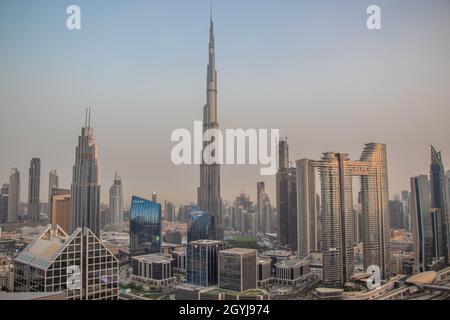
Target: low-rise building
237,269
293,272
153,269
263,272
6,274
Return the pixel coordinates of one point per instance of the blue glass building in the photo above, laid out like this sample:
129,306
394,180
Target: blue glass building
202,267
145,227
202,226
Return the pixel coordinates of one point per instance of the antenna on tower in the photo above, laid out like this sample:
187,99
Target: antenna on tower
86,117
89,121
211,9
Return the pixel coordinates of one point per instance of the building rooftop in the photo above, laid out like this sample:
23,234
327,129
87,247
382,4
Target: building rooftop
206,242
155,257
278,253
239,251
292,263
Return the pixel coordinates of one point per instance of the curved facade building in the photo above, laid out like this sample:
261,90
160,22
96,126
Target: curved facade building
202,226
375,205
145,227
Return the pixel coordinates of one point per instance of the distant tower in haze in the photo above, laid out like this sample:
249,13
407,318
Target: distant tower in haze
421,223
85,190
286,198
208,194
154,197
14,196
439,202
116,201
34,182
4,199
53,183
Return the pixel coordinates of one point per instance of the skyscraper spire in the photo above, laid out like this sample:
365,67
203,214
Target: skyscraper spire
208,193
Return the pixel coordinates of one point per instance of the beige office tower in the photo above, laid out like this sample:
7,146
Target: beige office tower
14,196
336,172
237,269
307,210
60,214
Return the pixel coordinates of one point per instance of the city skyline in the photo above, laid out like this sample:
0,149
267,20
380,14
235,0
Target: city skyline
241,102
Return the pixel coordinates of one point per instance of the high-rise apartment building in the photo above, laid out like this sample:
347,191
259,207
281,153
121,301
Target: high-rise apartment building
307,210
439,201
286,198
116,201
4,199
34,183
336,173
421,223
53,183
85,190
14,196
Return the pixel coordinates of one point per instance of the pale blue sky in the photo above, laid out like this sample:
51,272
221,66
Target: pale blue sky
311,69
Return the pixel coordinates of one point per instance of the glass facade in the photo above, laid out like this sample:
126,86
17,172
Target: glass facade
202,262
201,226
145,227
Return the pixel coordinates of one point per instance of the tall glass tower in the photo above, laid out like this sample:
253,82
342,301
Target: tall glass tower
145,227
85,190
439,201
34,183
208,194
201,227
421,223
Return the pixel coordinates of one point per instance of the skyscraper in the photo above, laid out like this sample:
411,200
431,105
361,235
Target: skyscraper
4,198
286,198
85,190
116,201
202,262
14,195
34,183
439,199
375,204
169,209
260,191
421,223
145,227
201,227
208,194
53,183
396,214
60,214
307,211
336,171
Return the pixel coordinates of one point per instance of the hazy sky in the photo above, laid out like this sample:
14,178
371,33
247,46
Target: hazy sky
312,70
